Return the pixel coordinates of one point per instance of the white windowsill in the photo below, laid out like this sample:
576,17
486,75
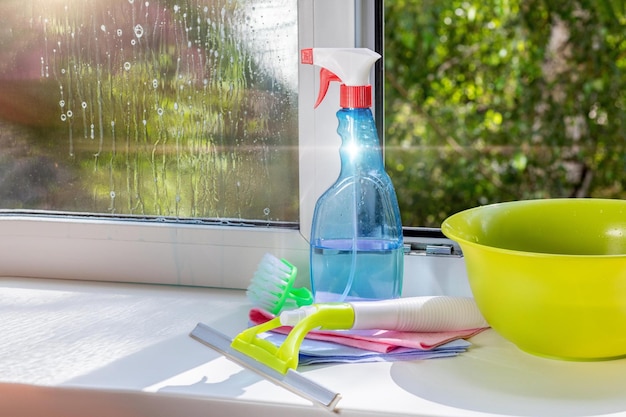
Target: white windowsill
75,348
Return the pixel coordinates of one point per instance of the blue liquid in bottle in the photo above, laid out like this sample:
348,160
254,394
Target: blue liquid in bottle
356,238
369,274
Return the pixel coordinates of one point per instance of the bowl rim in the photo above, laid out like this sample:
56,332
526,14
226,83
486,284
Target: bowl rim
447,230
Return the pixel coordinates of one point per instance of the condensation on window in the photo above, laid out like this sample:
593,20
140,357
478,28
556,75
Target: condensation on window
183,108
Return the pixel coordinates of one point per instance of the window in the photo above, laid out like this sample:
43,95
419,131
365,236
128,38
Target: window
181,109
188,178
140,122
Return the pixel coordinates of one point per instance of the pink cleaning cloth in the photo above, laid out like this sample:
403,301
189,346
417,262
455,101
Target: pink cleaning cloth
382,341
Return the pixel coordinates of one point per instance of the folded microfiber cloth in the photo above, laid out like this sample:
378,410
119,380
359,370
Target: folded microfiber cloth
316,352
381,341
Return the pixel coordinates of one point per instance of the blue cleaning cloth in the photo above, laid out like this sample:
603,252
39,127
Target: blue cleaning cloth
316,352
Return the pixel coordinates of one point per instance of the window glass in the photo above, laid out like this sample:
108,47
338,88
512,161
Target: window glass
184,108
189,108
492,100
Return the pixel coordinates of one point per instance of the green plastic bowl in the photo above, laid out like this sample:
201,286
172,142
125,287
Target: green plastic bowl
549,275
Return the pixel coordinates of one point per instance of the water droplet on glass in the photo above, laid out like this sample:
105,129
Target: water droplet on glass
63,117
103,28
112,193
155,83
62,103
70,113
84,104
176,8
133,42
127,66
62,70
138,30
266,211
119,32
160,111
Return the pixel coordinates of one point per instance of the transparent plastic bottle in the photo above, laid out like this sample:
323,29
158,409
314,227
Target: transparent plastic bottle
356,236
356,239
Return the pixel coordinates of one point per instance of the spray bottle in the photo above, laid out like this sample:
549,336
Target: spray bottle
356,235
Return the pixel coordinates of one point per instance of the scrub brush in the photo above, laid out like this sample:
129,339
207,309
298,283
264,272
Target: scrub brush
272,289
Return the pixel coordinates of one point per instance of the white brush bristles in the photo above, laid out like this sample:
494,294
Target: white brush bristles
269,283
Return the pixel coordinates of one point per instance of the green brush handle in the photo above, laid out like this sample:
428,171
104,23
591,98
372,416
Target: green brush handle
298,297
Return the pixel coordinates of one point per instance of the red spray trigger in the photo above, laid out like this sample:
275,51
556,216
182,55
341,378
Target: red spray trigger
326,77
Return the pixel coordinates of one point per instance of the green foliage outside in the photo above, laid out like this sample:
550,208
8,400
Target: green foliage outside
497,100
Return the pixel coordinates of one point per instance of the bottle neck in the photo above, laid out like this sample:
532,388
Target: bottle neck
355,96
360,150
